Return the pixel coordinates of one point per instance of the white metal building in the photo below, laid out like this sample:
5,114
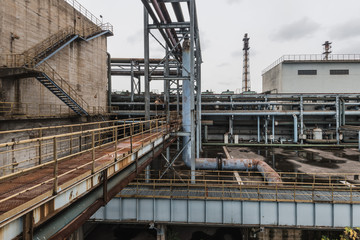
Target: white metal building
313,74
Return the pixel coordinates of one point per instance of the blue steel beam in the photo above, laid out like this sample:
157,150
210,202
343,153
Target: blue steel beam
230,213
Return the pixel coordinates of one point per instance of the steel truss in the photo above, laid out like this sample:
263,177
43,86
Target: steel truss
175,35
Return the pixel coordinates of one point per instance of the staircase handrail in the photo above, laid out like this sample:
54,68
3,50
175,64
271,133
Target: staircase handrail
72,93
81,9
29,58
33,52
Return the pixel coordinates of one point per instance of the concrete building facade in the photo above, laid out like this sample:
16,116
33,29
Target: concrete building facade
82,64
312,74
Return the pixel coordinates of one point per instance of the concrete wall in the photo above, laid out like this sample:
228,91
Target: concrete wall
82,64
271,80
285,78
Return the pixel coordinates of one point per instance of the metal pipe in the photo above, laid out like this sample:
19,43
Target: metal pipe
273,129
337,117
258,129
266,129
191,5
161,16
178,12
109,81
301,119
156,21
146,63
186,102
295,129
238,164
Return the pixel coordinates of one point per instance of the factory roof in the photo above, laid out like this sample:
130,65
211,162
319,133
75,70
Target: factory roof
311,58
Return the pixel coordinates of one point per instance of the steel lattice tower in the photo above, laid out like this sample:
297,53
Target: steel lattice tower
246,65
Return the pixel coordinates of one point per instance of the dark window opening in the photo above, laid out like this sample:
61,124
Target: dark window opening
339,72
307,72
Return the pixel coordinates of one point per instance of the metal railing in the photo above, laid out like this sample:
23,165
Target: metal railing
44,110
35,54
26,155
81,9
64,85
223,185
313,57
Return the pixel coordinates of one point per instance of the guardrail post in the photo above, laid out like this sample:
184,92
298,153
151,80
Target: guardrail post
131,137
71,140
142,134
93,151
40,146
124,129
55,167
116,142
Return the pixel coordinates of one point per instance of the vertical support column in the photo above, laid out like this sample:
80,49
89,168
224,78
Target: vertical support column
28,226
55,187
186,102
258,129
198,103
146,64
302,118
266,129
147,174
132,82
295,129
337,119
206,133
231,128
359,140
192,87
273,129
109,82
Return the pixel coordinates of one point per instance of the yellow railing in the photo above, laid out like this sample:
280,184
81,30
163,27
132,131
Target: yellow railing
298,187
44,110
26,155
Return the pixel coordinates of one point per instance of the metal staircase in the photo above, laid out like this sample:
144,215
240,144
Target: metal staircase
60,88
53,44
34,59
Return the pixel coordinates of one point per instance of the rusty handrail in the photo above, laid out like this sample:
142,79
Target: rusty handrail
39,150
228,188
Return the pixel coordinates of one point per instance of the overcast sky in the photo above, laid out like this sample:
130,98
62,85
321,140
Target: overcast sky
275,28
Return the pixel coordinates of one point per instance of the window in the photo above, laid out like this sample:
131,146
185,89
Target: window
307,72
339,72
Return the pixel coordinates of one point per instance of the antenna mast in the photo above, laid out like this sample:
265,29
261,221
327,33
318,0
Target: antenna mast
327,50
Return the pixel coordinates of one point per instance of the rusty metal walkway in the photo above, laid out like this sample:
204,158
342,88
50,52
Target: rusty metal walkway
58,172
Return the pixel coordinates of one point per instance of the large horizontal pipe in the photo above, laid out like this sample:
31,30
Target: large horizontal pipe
238,164
138,60
275,113
141,73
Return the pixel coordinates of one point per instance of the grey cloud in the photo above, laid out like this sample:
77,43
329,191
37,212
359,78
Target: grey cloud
224,64
236,53
135,37
346,30
233,1
302,28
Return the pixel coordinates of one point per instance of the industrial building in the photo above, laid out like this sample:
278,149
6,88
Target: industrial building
80,162
313,74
